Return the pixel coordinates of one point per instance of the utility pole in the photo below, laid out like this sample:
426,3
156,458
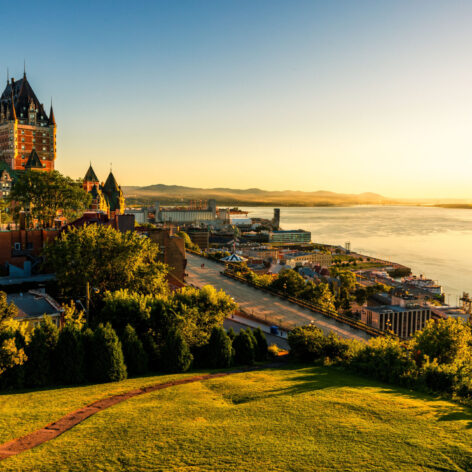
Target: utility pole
87,300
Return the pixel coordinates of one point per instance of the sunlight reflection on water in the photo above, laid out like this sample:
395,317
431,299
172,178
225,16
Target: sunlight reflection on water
436,242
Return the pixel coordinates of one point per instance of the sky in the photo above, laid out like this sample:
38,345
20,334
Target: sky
345,96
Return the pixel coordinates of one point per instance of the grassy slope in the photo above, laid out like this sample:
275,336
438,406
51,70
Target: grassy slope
300,419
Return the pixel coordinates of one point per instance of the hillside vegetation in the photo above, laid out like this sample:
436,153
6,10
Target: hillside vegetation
253,196
287,419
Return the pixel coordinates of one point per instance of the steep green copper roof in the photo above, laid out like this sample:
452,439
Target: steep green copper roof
90,176
33,161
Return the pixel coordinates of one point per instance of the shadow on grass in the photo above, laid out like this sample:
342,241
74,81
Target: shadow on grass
320,378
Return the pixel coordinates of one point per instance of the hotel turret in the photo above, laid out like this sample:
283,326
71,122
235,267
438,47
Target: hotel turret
27,132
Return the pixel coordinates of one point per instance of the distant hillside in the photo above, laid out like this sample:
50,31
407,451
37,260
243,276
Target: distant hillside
253,196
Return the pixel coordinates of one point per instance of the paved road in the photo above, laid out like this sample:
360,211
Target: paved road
264,305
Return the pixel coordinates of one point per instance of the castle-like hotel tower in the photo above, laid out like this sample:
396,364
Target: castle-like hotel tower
27,133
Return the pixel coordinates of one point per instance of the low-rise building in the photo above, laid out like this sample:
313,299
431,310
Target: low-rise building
403,321
314,258
290,236
35,304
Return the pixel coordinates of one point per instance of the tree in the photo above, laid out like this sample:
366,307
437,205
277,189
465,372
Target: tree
175,354
231,333
188,242
447,340
202,310
122,308
69,357
289,282
244,349
44,193
261,344
107,361
220,350
306,343
107,259
133,351
40,352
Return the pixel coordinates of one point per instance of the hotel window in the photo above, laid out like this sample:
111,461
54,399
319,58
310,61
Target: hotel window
23,146
44,148
17,246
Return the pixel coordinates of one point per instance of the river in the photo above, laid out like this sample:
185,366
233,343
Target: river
435,242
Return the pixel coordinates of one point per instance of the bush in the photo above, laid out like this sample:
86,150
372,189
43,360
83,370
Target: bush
107,361
175,354
133,351
439,377
40,352
244,349
447,340
385,359
69,357
261,345
231,334
220,349
306,343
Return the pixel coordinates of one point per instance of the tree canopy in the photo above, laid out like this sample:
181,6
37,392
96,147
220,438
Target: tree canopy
108,259
44,193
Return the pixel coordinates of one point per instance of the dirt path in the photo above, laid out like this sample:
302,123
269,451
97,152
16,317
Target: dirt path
53,430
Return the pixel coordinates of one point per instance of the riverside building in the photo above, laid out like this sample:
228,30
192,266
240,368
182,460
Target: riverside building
404,321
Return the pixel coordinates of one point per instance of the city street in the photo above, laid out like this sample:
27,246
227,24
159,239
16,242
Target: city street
261,304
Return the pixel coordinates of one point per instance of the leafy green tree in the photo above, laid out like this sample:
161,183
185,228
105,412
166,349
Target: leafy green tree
106,258
11,352
135,357
306,343
69,356
220,350
446,340
175,354
261,344
107,361
360,295
123,307
40,352
244,349
231,334
289,282
202,310
188,242
45,193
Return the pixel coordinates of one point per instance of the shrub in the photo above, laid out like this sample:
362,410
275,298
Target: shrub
385,359
244,349
175,354
231,334
40,352
107,356
220,349
133,351
261,345
69,356
447,340
439,377
306,343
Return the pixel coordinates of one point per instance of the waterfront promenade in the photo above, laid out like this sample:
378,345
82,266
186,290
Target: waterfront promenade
261,304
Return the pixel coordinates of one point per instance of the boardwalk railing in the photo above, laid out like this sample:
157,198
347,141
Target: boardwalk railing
310,306
334,315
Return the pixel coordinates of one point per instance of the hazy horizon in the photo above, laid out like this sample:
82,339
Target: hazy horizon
348,97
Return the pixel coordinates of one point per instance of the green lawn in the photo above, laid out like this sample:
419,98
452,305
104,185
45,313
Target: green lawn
290,419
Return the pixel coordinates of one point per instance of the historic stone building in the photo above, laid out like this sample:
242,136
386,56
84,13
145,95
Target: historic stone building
27,133
107,197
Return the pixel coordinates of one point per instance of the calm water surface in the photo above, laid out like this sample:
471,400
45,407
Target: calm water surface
436,242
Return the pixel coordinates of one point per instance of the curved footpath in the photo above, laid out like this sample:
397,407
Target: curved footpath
263,304
53,430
